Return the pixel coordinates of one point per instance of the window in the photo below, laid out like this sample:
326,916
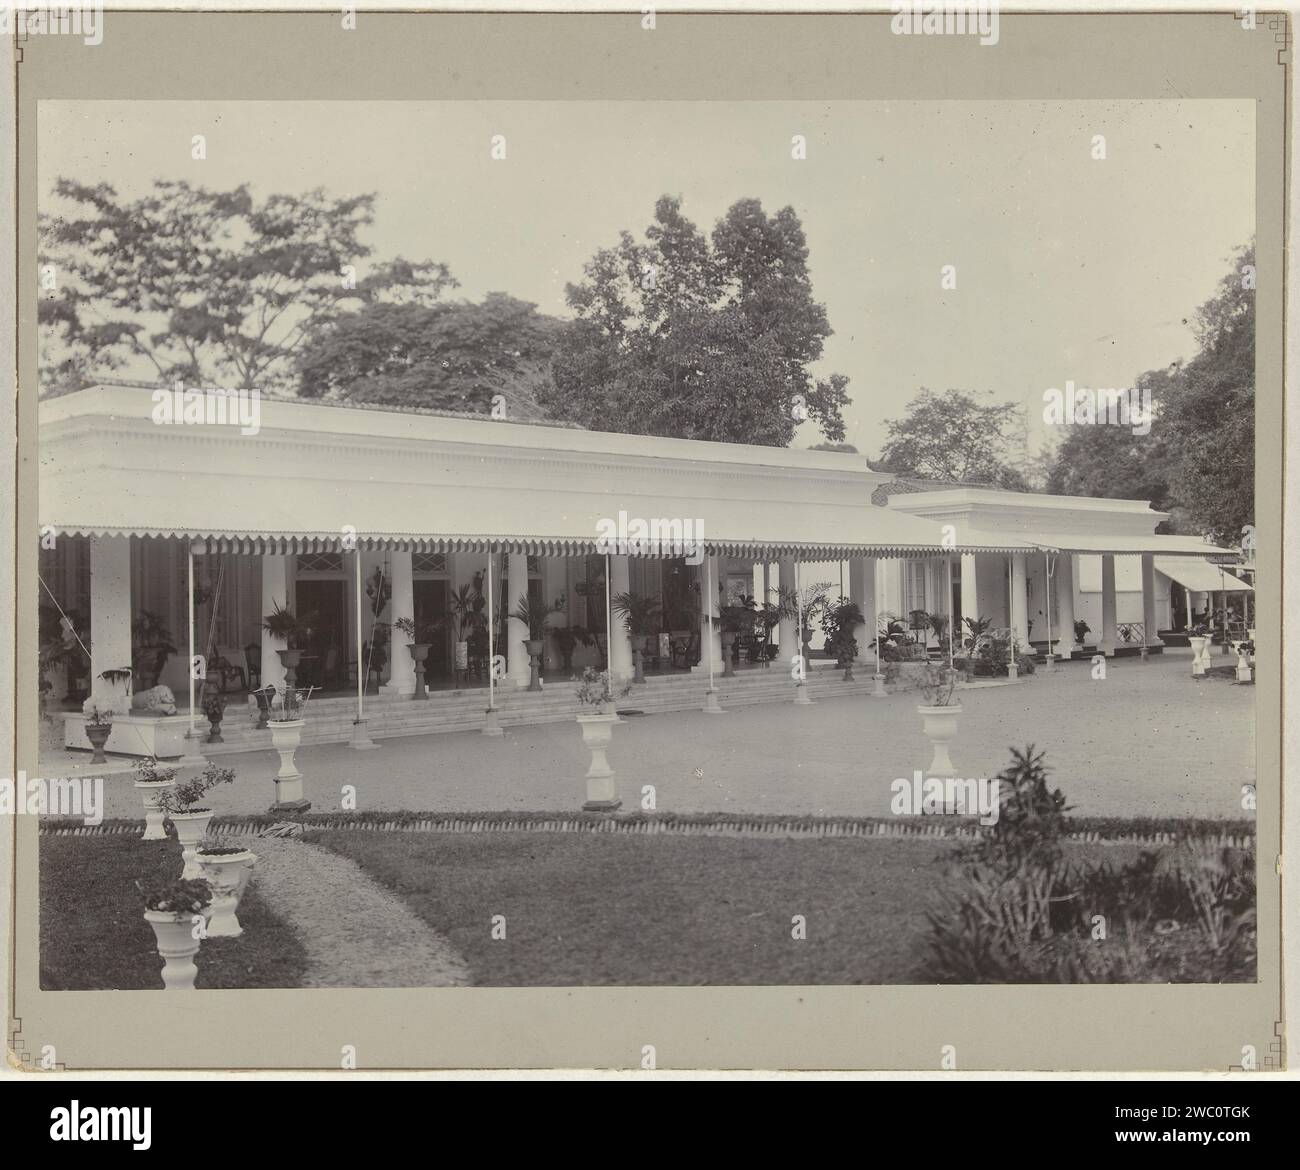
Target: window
320,563
913,585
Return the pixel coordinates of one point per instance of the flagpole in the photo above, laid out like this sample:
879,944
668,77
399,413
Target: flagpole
192,734
492,690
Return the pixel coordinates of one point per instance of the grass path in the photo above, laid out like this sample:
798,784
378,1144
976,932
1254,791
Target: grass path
354,932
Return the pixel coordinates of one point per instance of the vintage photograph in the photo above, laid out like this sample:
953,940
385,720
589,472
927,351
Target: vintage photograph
640,543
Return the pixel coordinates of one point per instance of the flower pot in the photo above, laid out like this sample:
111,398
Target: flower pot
286,735
153,816
534,646
638,662
462,656
98,734
191,828
227,874
1200,654
1243,668
290,659
940,725
419,652
728,638
597,731
174,934
214,716
263,698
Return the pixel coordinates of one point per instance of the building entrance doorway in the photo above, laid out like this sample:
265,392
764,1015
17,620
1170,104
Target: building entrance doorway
430,599
325,656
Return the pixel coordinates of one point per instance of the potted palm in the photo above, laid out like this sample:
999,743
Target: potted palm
641,618
465,607
1081,631
596,718
182,805
534,615
736,620
838,624
294,632
567,639
150,781
939,713
176,912
421,633
226,864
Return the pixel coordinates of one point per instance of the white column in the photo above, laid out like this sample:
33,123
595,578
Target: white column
1019,601
970,601
275,591
516,655
709,604
1150,618
110,619
620,641
862,589
786,630
767,582
401,678
1063,583
1109,635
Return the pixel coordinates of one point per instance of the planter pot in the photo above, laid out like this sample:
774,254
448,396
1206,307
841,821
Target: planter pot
728,643
227,874
263,699
597,730
286,735
290,659
1243,669
214,726
1200,654
419,652
191,827
462,656
940,725
638,663
153,817
98,734
534,646
174,934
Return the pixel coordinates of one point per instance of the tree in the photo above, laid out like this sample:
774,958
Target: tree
211,287
699,338
1209,419
1113,463
951,436
843,448
451,356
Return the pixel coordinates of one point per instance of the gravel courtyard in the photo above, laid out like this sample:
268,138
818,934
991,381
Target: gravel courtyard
1147,740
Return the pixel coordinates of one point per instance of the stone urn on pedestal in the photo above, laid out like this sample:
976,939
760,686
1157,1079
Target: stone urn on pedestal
419,654
175,912
225,867
596,694
939,715
151,781
99,726
180,804
286,736
1200,644
533,615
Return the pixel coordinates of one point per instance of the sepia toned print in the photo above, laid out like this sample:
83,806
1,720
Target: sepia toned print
692,542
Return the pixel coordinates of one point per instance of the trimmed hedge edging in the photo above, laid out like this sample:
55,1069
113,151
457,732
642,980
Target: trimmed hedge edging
1096,830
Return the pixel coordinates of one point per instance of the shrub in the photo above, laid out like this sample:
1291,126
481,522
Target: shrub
178,897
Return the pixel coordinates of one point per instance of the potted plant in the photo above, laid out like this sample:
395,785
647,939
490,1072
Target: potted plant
839,621
939,714
151,646
214,710
465,607
736,620
567,639
421,633
534,615
174,910
1081,631
1199,640
151,779
226,865
596,696
288,711
99,726
1245,660
293,631
641,618
263,696
181,804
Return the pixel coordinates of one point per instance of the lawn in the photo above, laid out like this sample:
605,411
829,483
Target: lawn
624,910
93,932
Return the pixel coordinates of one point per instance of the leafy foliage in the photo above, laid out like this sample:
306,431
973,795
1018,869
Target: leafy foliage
699,338
951,436
211,287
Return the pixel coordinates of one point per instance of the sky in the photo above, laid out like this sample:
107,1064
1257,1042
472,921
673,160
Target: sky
1068,267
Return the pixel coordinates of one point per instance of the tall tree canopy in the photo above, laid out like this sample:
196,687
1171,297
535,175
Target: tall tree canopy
700,338
451,356
952,436
213,287
1198,461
